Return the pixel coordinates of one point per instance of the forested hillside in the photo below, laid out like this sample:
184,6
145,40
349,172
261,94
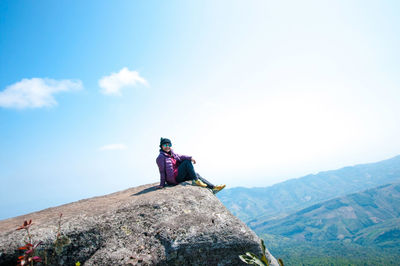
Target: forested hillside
252,205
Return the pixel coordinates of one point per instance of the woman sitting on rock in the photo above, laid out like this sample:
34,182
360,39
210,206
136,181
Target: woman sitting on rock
175,168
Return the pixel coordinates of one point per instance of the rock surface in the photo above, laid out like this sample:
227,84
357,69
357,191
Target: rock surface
181,225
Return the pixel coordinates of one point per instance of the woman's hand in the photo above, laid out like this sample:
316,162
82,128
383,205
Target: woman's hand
193,161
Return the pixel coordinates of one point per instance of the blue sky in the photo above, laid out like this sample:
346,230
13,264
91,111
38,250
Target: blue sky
256,91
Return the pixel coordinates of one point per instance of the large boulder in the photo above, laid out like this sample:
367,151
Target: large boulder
177,225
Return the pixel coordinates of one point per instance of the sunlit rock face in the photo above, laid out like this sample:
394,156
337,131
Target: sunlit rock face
180,225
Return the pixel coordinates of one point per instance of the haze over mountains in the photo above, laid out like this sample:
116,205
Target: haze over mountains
287,197
347,216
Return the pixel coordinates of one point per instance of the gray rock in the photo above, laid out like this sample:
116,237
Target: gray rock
181,225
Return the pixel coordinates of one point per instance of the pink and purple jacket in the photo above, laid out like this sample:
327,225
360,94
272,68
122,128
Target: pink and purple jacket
168,166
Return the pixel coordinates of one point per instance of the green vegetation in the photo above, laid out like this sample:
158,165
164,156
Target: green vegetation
330,253
251,258
358,229
349,216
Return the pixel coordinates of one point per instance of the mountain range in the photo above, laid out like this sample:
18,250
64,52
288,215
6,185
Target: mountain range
348,216
360,217
252,205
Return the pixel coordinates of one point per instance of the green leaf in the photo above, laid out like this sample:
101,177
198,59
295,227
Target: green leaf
265,260
255,259
248,259
263,247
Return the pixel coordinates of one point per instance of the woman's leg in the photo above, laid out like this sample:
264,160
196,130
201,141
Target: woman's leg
186,172
209,185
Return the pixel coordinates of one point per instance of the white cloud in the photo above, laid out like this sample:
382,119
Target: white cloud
35,92
113,83
113,147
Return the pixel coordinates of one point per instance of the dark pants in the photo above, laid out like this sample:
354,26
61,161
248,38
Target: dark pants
186,172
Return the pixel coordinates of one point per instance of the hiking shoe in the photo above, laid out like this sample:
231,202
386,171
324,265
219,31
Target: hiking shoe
199,183
218,188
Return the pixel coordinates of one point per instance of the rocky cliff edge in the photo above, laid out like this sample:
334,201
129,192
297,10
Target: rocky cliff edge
180,225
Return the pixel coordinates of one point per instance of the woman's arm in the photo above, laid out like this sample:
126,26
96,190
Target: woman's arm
184,157
161,167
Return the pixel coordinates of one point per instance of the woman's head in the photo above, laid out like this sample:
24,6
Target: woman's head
165,144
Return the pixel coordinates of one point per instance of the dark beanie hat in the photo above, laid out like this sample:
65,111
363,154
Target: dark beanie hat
164,141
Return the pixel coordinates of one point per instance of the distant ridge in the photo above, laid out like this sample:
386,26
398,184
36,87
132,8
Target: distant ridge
371,216
255,205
